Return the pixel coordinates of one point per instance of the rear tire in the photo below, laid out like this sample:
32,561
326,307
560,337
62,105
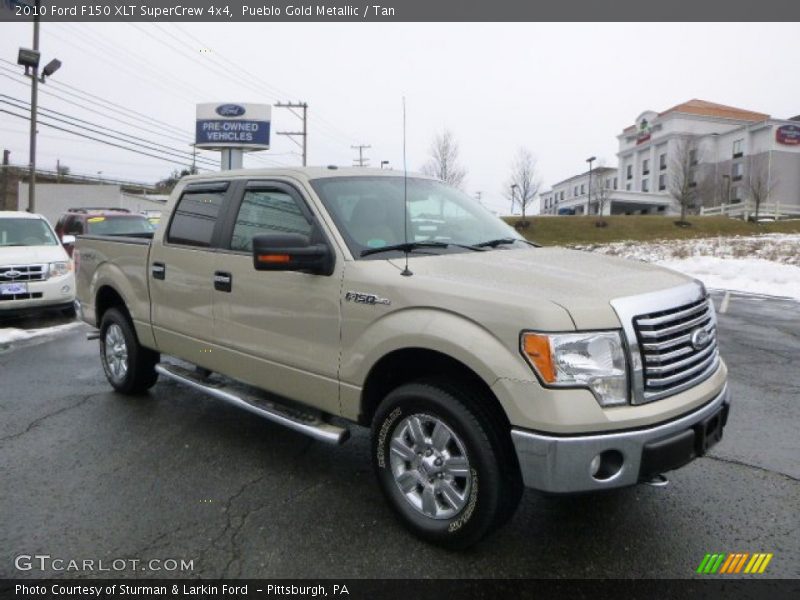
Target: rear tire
129,367
444,463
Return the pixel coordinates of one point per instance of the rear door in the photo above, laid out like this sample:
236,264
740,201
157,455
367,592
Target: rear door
181,272
278,330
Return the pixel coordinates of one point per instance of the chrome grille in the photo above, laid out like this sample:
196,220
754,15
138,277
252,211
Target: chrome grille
19,273
671,361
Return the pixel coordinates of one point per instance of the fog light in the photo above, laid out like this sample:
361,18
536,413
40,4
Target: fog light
65,289
606,465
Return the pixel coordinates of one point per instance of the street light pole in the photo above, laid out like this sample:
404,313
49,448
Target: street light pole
34,110
590,160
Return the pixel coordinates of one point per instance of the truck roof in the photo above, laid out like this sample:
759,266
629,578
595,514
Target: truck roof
305,173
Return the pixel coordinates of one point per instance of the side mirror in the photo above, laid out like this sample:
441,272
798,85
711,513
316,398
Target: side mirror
291,252
67,240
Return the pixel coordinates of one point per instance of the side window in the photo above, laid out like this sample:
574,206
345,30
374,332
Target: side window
267,211
195,217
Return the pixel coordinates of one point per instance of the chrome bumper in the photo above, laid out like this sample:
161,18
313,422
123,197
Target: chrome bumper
564,464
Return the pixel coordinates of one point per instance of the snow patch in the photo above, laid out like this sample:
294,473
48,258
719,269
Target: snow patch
750,275
759,264
12,334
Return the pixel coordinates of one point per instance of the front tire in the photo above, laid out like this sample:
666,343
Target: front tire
443,463
129,367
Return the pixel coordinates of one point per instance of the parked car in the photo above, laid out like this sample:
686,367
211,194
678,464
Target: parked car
101,221
481,362
35,272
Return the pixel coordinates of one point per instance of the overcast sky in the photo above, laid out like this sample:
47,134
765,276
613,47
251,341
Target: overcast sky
562,90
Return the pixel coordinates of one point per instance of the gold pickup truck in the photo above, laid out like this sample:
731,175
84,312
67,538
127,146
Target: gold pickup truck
325,298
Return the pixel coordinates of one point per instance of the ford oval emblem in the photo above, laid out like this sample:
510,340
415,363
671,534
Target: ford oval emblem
230,110
700,338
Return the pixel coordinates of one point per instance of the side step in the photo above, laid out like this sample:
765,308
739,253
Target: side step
304,422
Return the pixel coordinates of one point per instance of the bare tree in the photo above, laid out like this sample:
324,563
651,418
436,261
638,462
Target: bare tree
524,183
759,185
443,162
683,169
601,192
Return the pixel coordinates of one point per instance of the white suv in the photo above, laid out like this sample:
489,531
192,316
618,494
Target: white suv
35,271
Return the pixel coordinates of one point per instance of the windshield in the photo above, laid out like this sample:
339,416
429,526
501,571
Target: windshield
118,225
26,232
369,213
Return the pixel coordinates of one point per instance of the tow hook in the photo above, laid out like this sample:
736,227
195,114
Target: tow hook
657,481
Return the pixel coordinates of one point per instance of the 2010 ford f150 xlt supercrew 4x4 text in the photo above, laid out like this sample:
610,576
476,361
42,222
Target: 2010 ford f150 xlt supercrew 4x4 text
323,298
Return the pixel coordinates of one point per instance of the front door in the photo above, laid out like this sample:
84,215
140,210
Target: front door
278,330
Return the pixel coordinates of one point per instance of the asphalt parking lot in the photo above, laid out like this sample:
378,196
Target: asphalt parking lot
87,474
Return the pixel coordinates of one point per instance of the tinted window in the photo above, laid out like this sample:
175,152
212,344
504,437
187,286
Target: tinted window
267,211
195,217
118,225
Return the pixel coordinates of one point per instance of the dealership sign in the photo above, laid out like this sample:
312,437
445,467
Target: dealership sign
788,134
233,125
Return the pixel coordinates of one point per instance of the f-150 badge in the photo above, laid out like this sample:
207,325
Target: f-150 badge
362,298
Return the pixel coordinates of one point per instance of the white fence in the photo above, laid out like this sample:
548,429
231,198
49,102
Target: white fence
745,210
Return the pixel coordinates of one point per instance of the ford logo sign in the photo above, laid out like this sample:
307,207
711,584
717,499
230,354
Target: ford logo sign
230,110
700,338
12,274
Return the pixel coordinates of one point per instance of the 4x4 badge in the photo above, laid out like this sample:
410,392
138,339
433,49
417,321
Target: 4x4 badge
363,298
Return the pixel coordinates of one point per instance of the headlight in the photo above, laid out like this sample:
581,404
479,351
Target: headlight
595,360
58,269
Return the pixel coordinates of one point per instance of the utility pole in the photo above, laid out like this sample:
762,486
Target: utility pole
6,169
302,134
590,160
34,111
361,161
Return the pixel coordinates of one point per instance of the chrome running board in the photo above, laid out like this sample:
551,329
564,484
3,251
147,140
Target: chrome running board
304,422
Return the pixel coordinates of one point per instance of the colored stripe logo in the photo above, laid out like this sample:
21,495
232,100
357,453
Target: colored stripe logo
734,563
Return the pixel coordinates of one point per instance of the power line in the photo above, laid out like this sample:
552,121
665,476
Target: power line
27,118
17,103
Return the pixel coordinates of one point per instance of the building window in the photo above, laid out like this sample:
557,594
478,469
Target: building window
629,172
575,192
583,189
646,166
562,195
737,148
736,193
628,186
645,185
736,171
662,182
662,162
615,183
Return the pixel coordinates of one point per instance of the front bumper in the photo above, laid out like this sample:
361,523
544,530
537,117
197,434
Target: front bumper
54,293
564,464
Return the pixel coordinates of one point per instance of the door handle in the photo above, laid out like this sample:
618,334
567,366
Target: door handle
158,270
223,281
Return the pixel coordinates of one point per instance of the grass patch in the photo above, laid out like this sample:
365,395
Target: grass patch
559,231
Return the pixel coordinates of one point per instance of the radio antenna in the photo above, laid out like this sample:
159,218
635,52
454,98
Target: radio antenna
405,272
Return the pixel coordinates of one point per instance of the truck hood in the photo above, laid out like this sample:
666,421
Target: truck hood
583,283
31,255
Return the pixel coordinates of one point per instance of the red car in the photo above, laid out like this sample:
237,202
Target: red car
102,221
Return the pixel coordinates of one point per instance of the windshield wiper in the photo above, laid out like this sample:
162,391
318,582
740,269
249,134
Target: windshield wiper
503,241
408,247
